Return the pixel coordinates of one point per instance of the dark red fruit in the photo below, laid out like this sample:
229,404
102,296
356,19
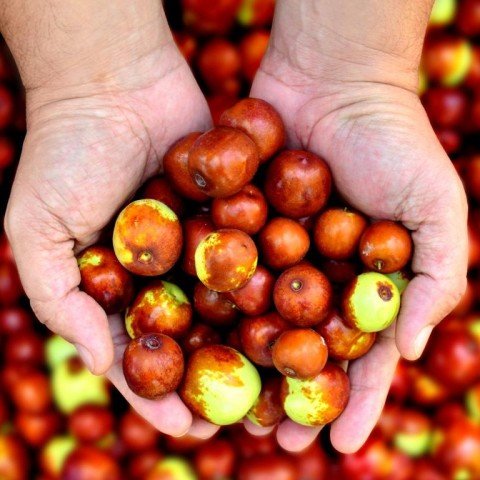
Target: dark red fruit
31,393
136,433
14,320
445,107
90,463
91,423
339,271
215,460
37,428
24,347
271,467
199,336
195,229
10,287
312,463
252,48
268,409
160,188
215,308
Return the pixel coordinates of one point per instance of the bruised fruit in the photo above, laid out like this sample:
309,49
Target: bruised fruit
385,246
222,161
195,229
267,409
220,384
215,308
300,353
153,365
104,279
298,183
371,302
225,260
147,237
160,307
260,121
317,401
303,295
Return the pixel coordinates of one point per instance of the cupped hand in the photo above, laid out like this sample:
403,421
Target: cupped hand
88,149
386,162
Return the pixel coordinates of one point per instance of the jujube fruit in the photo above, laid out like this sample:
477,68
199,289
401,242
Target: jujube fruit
195,229
268,409
215,308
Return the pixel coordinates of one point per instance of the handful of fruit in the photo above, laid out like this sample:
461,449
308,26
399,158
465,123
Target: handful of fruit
263,340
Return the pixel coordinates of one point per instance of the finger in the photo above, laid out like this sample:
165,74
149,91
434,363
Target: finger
168,414
50,276
257,430
440,265
203,429
370,379
294,437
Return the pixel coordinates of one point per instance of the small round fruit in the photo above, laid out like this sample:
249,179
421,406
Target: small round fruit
175,166
222,161
153,365
195,229
90,463
303,295
199,336
258,334
298,183
160,307
340,271
337,233
260,121
220,384
385,246
246,210
104,279
317,401
300,353
344,342
225,260
159,188
215,308
215,460
147,237
283,243
91,423
171,468
371,302
267,409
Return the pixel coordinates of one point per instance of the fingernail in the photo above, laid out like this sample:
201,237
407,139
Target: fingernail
422,339
86,356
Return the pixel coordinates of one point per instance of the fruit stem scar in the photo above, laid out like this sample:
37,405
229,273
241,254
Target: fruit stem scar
199,180
296,285
379,264
152,343
145,257
290,372
385,292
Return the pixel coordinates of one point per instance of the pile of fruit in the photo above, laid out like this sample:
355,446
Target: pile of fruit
246,275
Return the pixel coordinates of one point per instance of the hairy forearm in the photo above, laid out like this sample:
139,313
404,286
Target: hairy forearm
63,43
378,39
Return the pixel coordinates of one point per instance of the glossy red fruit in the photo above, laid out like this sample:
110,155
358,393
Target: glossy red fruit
385,246
218,103
255,297
298,183
175,166
303,295
252,48
90,423
14,458
32,393
268,409
445,107
141,464
222,161
283,243
153,365
37,428
343,341
215,308
300,353
215,460
468,17
24,347
199,336
312,463
271,467
339,271
258,335
136,433
260,121
226,260
195,229
10,287
337,233
14,320
246,210
104,278
160,188
90,463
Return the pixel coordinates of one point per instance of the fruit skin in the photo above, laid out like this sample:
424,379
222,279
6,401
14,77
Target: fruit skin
172,468
199,336
195,229
32,393
268,409
104,279
337,233
445,107
54,454
147,237
298,183
161,307
401,279
37,428
303,295
283,243
344,342
317,401
414,433
91,423
14,458
175,166
385,247
301,353
215,460
10,286
57,350
222,161
246,210
153,365
371,302
258,334
215,308
225,260
90,463
25,347
159,188
260,121
14,320
268,467
252,48
220,384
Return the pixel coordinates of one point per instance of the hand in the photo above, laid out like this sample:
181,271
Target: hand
387,162
88,149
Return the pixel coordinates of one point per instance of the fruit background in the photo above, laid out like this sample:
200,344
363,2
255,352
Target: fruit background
58,421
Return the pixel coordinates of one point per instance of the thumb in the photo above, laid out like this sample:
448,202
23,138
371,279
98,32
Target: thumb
43,250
